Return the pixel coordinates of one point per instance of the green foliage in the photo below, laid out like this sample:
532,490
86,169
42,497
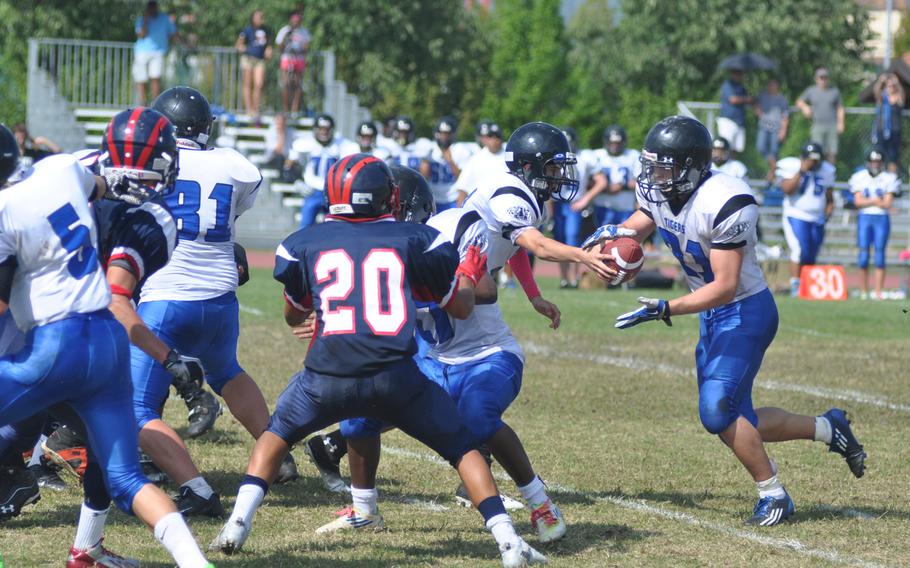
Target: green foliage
901,39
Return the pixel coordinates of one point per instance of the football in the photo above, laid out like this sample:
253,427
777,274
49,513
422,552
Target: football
627,258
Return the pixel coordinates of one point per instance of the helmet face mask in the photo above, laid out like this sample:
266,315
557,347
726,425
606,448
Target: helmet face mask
615,140
445,132
539,154
140,144
675,159
874,162
366,136
324,129
404,131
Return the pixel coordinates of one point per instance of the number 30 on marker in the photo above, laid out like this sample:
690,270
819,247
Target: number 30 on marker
822,282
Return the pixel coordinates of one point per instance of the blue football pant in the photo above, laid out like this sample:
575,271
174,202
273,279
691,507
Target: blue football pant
872,231
804,239
566,224
313,205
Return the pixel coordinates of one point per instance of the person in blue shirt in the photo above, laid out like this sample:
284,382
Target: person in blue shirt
731,124
255,47
154,29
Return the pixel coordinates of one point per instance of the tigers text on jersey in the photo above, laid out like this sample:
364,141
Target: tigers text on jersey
878,186
442,178
214,187
808,202
617,169
46,224
477,167
363,279
722,213
319,158
484,332
733,168
509,209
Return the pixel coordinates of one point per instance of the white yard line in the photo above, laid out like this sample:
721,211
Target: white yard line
251,311
768,384
643,506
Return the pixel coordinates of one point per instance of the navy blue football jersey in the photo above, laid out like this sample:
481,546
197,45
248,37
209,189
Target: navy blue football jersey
143,237
363,279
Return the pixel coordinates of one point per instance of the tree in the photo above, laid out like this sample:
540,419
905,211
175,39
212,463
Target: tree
901,39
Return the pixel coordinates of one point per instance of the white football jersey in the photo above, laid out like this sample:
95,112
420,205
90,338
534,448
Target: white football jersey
733,168
587,163
478,166
509,209
319,158
484,332
389,144
808,202
618,169
721,214
442,178
863,182
376,151
213,188
411,155
46,224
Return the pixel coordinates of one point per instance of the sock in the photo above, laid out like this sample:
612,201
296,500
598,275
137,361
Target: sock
503,530
172,532
771,487
37,452
200,487
822,430
535,493
249,497
365,500
91,527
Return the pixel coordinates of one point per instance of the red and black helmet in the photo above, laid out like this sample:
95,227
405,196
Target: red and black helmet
361,186
142,142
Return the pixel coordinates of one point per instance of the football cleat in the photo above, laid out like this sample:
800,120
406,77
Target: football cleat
329,469
844,442
18,488
463,499
770,511
232,536
549,522
151,471
98,556
349,518
516,556
189,503
47,477
204,410
66,448
288,470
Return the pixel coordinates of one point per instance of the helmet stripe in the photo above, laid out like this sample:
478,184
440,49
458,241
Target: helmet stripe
130,133
112,146
335,180
346,195
150,142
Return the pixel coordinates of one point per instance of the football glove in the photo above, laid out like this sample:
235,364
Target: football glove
474,265
607,233
187,371
653,309
243,265
124,187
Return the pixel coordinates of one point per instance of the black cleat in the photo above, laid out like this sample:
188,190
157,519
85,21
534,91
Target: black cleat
189,503
329,470
152,471
843,441
204,411
18,488
66,448
46,476
288,470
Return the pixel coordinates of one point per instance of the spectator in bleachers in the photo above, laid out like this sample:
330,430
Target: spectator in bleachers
773,120
822,104
293,41
32,149
255,47
154,30
731,124
807,183
873,193
889,102
722,161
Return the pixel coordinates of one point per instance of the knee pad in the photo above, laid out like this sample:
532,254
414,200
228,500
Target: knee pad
361,427
714,407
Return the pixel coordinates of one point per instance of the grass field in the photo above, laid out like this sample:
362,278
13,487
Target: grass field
610,420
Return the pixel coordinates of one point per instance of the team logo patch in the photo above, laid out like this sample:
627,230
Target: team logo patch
520,213
737,230
361,198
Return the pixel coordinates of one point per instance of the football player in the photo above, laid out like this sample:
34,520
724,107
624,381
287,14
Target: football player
191,303
807,184
566,220
874,191
442,164
708,221
52,282
722,162
362,272
320,152
614,179
366,142
490,158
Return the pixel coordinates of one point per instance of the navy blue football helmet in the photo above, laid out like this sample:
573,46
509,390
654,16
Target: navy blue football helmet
140,144
361,185
445,131
539,154
404,130
417,203
675,160
9,154
189,112
324,129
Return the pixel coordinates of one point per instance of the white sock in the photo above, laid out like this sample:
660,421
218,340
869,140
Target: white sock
503,530
200,487
365,500
37,452
249,497
535,493
91,527
771,487
172,532
822,430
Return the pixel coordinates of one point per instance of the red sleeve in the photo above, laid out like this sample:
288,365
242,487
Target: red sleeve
521,268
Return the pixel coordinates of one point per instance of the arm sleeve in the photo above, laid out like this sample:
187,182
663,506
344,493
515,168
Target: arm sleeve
289,272
735,223
143,240
513,213
521,268
433,265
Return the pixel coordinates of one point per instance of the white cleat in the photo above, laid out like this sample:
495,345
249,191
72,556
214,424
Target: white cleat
349,519
521,555
548,521
232,536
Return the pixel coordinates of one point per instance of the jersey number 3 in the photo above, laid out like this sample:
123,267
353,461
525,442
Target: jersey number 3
381,276
76,239
186,201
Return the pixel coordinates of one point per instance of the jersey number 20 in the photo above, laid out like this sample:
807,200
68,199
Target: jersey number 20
381,275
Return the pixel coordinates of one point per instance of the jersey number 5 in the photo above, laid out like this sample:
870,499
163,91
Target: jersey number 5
381,276
76,239
186,201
